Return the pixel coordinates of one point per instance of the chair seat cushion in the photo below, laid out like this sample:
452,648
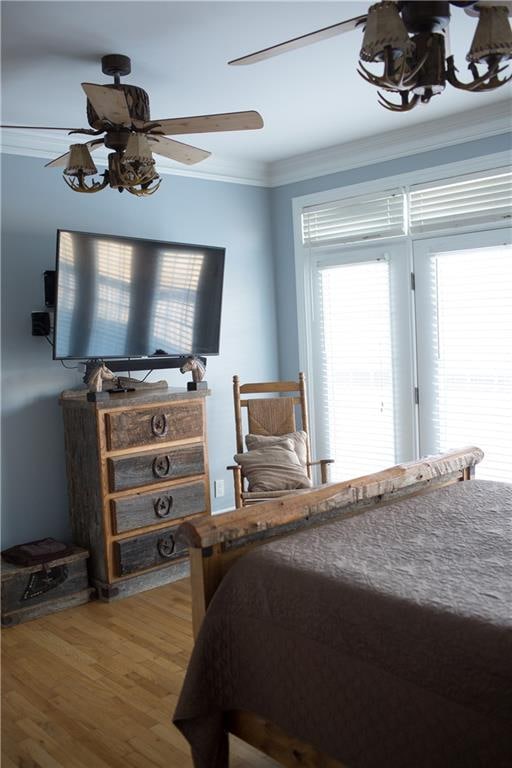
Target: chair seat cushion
275,467
299,441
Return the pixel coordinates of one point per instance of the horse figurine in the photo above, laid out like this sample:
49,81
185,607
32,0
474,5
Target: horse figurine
198,369
97,376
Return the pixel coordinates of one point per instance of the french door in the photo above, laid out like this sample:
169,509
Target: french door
362,335
464,346
398,373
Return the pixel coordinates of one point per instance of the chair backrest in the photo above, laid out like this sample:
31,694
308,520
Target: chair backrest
271,415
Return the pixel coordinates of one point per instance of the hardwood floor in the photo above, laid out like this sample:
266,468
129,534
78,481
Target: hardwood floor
95,686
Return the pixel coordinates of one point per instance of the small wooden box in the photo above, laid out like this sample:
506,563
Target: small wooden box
29,592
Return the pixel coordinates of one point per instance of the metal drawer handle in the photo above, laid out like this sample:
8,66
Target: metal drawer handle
159,425
166,546
163,505
161,466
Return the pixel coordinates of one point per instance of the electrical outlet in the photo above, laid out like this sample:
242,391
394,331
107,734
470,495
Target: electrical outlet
218,488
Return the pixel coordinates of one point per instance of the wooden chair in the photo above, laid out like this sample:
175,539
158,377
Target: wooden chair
271,416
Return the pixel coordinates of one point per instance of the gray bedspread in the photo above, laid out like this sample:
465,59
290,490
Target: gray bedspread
385,639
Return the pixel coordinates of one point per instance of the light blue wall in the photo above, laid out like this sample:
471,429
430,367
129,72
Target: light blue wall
282,225
258,341
35,202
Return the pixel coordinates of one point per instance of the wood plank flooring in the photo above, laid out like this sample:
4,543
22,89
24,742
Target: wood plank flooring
95,686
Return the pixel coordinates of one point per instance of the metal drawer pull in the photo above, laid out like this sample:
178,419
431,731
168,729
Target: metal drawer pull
161,466
159,425
166,546
163,505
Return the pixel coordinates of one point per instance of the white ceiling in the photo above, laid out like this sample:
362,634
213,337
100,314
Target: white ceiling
310,98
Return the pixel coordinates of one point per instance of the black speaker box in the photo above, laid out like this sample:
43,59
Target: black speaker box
41,324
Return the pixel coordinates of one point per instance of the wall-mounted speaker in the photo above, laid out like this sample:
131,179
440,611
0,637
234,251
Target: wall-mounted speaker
41,324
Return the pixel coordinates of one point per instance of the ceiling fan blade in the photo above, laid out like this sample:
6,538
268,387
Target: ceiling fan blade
62,160
228,121
302,40
176,150
40,127
109,103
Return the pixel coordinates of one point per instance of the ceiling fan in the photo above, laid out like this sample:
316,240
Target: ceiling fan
410,39
121,113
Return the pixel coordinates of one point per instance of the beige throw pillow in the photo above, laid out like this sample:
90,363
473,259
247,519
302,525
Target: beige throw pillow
299,442
273,468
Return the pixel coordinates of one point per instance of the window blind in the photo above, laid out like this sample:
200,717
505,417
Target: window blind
471,316
355,392
470,200
367,217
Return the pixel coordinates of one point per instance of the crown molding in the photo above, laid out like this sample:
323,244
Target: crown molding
470,125
48,146
479,123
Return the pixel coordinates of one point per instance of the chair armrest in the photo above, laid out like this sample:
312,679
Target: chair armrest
237,481
324,472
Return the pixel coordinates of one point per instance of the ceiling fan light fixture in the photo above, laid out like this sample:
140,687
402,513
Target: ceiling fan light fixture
430,79
493,35
80,162
121,113
384,30
146,188
135,177
80,165
138,150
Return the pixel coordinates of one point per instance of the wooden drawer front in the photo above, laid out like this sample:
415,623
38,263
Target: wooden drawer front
148,550
127,429
158,506
155,466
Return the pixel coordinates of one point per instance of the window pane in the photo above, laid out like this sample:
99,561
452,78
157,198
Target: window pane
472,356
356,397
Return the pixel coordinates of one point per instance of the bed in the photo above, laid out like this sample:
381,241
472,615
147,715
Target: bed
367,623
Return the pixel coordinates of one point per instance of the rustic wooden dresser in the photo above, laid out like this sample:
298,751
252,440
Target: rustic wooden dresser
137,466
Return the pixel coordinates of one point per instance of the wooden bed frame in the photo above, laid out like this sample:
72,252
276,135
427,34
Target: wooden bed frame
215,543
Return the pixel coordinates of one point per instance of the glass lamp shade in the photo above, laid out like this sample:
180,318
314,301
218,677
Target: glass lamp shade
384,29
493,35
80,161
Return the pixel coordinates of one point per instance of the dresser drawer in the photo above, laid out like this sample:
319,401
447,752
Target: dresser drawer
157,506
144,426
155,466
148,550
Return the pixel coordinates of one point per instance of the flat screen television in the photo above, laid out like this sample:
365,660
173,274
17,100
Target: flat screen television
120,297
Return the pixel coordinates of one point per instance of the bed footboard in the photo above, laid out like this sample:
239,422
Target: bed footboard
216,542
276,743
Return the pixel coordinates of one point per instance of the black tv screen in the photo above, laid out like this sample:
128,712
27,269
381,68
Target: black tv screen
127,297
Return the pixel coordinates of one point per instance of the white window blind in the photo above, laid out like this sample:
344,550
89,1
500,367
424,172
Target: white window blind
355,385
367,217
471,317
470,200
